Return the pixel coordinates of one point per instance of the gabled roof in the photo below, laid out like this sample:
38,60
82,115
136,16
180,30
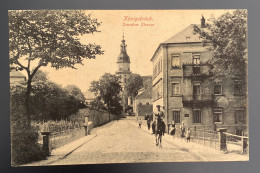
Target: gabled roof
186,35
146,94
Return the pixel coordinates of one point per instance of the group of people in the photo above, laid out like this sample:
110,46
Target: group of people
159,127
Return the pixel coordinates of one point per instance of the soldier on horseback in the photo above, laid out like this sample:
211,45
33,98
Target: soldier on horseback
159,126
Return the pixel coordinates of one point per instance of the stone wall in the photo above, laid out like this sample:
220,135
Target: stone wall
97,117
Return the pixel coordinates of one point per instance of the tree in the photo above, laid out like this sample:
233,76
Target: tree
228,37
40,76
108,89
75,91
133,84
49,37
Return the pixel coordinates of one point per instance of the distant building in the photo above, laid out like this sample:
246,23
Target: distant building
16,77
143,104
183,85
123,70
89,97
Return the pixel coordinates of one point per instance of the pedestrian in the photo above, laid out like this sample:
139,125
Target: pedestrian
140,123
173,129
188,135
148,122
182,129
154,125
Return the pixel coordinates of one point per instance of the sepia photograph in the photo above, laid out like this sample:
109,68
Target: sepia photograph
128,86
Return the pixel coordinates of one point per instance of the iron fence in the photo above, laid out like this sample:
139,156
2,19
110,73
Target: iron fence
205,137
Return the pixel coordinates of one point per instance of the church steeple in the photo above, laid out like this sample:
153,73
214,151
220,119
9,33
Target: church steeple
123,57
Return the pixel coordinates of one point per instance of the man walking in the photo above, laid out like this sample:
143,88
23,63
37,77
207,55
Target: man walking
148,122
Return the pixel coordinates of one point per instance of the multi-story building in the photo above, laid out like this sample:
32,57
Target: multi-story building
123,70
184,86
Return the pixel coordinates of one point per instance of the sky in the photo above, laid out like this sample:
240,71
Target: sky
142,41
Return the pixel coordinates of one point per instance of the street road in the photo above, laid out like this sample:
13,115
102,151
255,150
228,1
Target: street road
122,142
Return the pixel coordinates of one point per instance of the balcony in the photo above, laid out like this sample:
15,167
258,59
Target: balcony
198,71
197,100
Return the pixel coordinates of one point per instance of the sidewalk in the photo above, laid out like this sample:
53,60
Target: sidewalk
199,151
63,151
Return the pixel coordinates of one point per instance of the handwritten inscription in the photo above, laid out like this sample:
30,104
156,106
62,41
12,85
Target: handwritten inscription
138,21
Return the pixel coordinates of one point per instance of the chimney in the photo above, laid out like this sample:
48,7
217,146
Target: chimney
202,25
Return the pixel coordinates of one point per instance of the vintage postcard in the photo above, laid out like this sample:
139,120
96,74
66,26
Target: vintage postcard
128,86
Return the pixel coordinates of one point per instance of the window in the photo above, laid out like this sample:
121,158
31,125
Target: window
240,116
239,87
217,89
218,117
196,88
147,103
196,59
176,116
157,92
196,116
159,67
175,88
176,60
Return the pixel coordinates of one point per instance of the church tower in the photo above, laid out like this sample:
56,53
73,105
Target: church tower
123,69
123,64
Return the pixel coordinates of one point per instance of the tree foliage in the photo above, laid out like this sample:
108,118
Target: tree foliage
75,91
108,89
49,37
40,76
228,37
133,84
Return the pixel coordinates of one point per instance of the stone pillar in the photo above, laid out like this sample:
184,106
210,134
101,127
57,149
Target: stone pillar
244,145
222,138
46,142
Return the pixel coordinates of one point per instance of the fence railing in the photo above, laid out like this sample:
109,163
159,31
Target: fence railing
236,143
61,138
205,137
221,140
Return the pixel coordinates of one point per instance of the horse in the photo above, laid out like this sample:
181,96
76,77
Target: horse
159,129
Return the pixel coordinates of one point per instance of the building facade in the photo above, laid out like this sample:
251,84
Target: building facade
143,103
184,86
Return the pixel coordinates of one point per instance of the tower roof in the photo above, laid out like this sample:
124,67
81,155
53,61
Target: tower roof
123,57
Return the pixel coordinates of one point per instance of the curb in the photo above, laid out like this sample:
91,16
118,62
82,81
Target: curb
65,155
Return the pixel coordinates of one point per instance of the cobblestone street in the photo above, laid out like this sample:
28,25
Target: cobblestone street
121,142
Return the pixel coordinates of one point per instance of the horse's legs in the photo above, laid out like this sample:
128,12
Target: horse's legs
156,139
160,141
